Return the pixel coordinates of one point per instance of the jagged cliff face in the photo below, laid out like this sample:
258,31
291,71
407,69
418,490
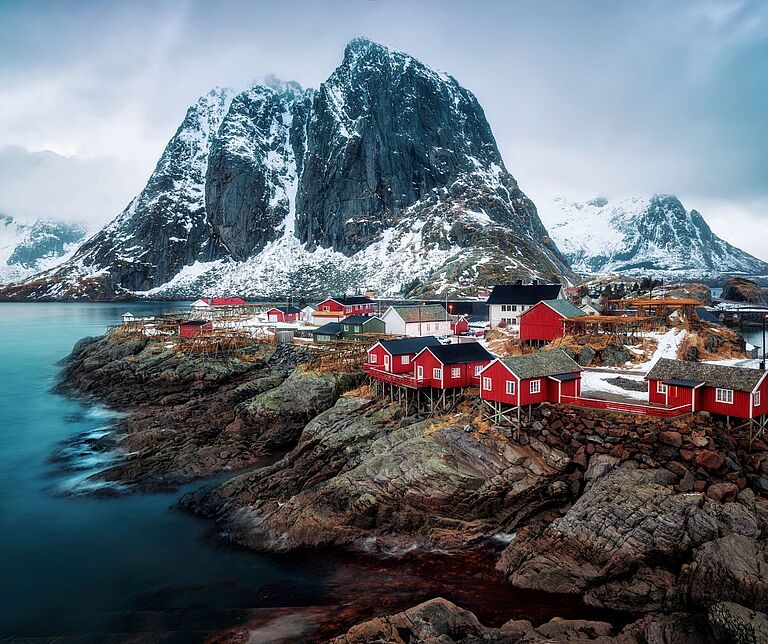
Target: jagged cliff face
388,177
642,236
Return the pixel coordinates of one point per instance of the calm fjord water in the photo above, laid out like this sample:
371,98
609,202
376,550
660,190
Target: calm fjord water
84,565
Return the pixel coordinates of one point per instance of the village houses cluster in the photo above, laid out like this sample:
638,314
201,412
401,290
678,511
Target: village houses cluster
431,349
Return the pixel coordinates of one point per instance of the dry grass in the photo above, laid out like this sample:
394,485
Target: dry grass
713,343
363,391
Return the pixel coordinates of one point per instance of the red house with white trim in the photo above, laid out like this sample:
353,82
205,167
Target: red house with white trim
452,365
545,321
719,389
193,328
283,314
396,356
459,324
332,309
546,376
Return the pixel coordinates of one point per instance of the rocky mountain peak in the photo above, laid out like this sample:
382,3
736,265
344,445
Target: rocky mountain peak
387,176
643,235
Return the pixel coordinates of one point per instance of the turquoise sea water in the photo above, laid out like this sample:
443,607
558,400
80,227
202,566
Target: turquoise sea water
132,567
83,565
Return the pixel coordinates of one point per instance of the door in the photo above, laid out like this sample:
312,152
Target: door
386,362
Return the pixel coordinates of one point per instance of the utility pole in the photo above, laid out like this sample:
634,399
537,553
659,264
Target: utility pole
762,362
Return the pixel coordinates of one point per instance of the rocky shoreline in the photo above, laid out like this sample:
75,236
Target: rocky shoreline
662,521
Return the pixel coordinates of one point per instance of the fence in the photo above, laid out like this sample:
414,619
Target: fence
628,408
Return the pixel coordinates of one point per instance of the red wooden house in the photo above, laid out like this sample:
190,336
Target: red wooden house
459,324
193,328
283,314
452,365
545,321
334,308
729,391
396,356
546,376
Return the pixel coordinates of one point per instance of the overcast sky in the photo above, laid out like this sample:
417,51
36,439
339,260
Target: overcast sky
585,98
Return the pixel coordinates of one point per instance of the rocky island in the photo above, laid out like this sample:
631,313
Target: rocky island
662,523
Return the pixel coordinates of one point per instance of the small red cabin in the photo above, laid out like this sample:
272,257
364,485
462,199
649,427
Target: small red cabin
718,389
452,365
459,324
338,307
396,356
526,380
545,321
193,328
283,314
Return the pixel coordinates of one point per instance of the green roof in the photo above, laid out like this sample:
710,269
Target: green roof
565,308
425,313
541,364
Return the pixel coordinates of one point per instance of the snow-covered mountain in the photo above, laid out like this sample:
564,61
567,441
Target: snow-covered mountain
642,235
387,176
26,248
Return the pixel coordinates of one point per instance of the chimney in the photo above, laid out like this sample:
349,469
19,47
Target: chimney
519,283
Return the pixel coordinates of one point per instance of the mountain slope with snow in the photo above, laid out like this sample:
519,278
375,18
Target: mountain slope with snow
26,248
641,236
387,176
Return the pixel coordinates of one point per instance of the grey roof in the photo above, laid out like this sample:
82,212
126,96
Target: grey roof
409,345
523,293
564,308
286,309
712,375
359,319
541,364
705,315
461,353
331,328
422,313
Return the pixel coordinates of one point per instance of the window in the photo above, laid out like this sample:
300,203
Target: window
429,326
357,328
405,360
535,386
756,399
511,387
478,369
514,307
513,321
437,373
724,396
326,308
456,372
661,388
487,383
420,373
372,358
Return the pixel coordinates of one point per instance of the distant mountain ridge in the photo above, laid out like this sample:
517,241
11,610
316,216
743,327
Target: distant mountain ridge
26,248
642,235
387,176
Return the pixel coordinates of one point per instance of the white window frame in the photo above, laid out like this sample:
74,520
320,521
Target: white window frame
724,396
487,384
420,372
357,328
535,386
456,372
478,369
372,358
756,398
437,373
429,327
405,360
326,308
661,388
510,387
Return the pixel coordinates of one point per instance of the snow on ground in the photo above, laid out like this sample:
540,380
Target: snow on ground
667,345
596,382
